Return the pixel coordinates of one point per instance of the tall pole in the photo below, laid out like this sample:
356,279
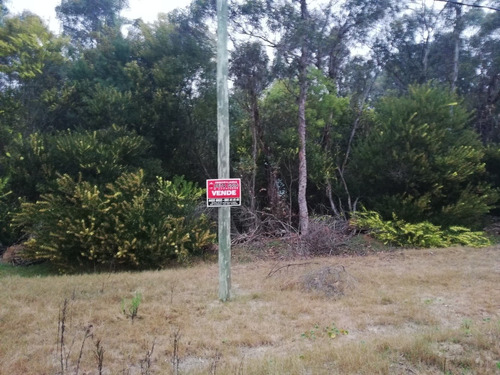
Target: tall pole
223,150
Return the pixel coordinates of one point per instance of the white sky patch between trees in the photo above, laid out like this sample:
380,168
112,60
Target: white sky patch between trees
148,10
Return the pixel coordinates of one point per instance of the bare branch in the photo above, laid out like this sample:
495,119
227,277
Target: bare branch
276,269
469,5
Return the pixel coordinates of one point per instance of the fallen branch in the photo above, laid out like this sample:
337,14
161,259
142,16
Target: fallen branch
274,270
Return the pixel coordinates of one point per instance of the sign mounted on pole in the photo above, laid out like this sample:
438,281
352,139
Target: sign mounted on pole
224,192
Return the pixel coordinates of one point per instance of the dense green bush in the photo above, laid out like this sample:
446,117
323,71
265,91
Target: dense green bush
423,161
401,233
35,162
126,224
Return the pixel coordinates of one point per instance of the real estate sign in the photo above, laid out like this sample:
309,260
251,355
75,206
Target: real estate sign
224,192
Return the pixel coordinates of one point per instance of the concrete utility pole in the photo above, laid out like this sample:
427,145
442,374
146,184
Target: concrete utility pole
223,150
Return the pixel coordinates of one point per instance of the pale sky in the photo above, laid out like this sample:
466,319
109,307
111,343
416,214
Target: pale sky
146,9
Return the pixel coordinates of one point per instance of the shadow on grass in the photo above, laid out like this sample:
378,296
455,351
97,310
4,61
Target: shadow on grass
34,270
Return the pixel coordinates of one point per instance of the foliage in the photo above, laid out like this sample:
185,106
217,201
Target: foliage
422,161
27,49
5,207
492,164
173,96
331,331
84,19
401,233
131,308
99,157
125,224
32,67
156,84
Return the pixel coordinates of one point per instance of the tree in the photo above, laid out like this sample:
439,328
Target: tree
422,161
83,20
484,90
173,97
3,12
32,67
295,27
305,36
407,52
99,157
249,67
303,64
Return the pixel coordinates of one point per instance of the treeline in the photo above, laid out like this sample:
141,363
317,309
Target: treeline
363,104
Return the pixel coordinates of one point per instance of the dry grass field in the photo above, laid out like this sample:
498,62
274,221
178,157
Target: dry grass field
404,312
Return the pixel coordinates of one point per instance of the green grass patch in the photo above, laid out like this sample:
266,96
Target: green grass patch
34,270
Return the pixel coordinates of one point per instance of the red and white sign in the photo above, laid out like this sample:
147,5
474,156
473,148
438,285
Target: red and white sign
224,192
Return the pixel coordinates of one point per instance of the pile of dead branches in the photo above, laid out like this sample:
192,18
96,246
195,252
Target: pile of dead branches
327,236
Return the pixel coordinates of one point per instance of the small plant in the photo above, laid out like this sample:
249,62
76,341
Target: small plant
311,335
330,331
466,325
131,309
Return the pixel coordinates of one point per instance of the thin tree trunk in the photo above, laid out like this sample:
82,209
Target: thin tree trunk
327,144
457,31
302,129
341,169
329,194
255,153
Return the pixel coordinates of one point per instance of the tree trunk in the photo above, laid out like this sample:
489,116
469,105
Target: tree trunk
255,153
302,198
457,31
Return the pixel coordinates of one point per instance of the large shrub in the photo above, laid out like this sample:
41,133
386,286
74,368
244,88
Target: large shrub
126,224
423,161
99,157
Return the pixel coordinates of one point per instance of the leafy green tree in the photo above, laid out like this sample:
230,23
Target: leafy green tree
293,22
249,67
279,114
99,157
96,93
3,12
484,90
31,69
457,46
306,34
422,162
405,51
333,123
173,100
83,20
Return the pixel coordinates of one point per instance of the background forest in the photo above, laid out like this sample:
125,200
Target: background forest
108,130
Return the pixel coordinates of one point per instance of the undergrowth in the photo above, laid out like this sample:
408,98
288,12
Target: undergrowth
425,234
